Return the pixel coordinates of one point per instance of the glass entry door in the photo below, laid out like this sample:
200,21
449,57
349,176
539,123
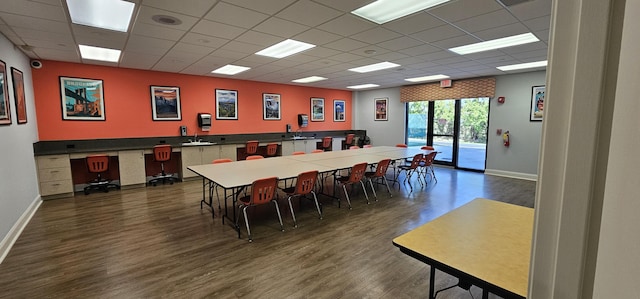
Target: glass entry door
444,133
472,137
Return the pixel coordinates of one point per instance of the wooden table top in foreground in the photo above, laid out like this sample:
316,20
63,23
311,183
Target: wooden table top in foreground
487,239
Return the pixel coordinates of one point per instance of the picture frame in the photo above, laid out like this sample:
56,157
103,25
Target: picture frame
5,107
18,95
381,108
537,103
226,104
339,110
270,106
165,103
317,109
82,99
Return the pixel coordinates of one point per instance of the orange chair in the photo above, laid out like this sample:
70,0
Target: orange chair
412,168
218,161
326,143
304,185
348,141
427,148
381,171
255,157
427,165
98,164
272,149
162,153
354,147
263,191
252,147
401,145
356,175
367,146
315,151
298,153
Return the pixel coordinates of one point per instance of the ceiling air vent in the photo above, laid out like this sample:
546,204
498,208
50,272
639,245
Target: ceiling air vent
513,2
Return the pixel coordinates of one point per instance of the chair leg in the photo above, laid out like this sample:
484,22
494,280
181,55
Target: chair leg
275,202
246,221
315,198
344,187
384,178
365,191
293,215
373,189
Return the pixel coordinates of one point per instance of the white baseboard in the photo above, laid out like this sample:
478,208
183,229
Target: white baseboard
16,230
509,174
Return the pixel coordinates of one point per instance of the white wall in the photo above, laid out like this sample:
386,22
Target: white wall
519,160
389,132
19,194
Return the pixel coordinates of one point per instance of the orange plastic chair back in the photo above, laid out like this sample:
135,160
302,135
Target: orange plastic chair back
349,139
255,157
306,181
98,163
357,172
354,147
427,148
401,145
263,190
382,167
428,159
416,161
272,149
298,153
326,142
367,146
162,153
218,161
317,151
252,147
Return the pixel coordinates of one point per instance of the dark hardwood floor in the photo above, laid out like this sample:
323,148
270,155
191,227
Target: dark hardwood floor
156,242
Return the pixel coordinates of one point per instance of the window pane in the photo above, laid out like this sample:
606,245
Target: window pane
417,123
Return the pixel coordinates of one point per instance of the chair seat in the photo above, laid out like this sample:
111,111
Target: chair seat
245,200
289,190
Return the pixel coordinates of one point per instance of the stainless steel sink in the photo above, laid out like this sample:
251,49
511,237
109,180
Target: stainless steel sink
197,143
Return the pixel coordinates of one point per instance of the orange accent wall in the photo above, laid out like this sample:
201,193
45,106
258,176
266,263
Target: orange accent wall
127,99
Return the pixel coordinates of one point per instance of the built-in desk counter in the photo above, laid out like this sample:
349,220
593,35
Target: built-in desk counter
61,170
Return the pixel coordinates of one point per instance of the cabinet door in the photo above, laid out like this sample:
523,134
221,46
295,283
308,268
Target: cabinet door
228,151
132,168
209,153
190,156
337,144
288,148
311,145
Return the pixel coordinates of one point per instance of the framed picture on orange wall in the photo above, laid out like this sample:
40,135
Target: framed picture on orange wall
339,112
317,109
5,111
270,106
226,104
82,99
18,95
165,103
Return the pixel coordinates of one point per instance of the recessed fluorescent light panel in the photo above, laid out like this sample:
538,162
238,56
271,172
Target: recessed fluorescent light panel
374,67
309,79
105,14
97,53
499,43
427,78
285,48
383,11
521,66
363,86
230,69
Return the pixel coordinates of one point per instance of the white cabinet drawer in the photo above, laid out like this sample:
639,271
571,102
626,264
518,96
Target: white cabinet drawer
56,187
54,174
53,161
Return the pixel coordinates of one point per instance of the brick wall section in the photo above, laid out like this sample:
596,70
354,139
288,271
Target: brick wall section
460,89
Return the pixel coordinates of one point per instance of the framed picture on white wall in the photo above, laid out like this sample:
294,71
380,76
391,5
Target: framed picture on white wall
537,103
381,108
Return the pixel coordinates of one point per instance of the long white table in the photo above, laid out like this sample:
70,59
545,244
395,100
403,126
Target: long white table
240,174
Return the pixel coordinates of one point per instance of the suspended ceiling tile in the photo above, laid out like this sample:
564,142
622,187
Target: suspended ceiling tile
456,41
500,32
146,13
203,40
322,52
138,61
317,37
414,23
438,33
345,44
241,47
531,9
194,8
280,27
375,35
92,36
490,20
148,45
463,9
541,23
259,38
420,50
235,15
52,11
35,23
154,30
346,57
298,12
265,6
216,29
400,43
346,25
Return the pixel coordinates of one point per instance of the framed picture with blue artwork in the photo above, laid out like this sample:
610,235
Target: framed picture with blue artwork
537,103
